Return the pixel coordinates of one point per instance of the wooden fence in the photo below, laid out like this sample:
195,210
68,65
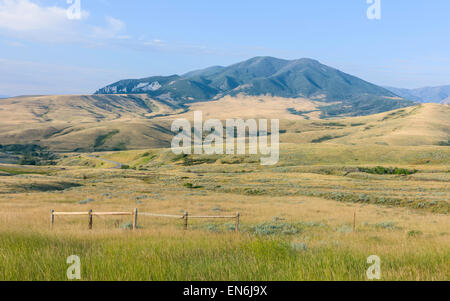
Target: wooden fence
90,214
134,214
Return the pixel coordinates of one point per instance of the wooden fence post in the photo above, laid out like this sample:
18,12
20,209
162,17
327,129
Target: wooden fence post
52,218
186,220
135,218
90,219
236,227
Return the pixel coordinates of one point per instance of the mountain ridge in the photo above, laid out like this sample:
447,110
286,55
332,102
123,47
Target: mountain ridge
437,94
342,93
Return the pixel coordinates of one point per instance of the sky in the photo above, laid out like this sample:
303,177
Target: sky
44,49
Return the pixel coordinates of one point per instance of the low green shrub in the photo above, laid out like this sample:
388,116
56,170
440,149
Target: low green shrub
414,233
380,170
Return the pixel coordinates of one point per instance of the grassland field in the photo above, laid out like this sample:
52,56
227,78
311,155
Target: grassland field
296,216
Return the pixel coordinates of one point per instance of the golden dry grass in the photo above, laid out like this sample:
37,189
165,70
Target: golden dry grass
292,228
251,107
68,123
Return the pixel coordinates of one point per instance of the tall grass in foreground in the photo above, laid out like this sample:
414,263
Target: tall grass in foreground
205,256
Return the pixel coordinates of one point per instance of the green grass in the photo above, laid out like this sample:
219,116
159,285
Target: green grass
325,138
192,186
101,140
444,143
202,257
22,171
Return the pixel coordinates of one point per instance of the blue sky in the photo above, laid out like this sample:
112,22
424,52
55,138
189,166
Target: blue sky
43,52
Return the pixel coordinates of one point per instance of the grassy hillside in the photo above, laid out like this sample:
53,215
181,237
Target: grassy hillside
85,123
337,172
296,217
120,122
427,124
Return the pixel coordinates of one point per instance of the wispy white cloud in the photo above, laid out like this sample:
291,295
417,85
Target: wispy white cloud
24,15
28,20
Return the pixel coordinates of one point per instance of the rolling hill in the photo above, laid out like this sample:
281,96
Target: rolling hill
341,94
120,122
440,94
425,124
85,123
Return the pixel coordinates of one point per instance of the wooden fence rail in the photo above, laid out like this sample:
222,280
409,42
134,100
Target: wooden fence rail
91,214
162,215
186,218
134,215
112,213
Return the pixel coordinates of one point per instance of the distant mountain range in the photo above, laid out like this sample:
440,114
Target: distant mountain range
341,94
440,94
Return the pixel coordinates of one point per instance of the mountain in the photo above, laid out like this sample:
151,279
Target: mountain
4,96
340,94
440,94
